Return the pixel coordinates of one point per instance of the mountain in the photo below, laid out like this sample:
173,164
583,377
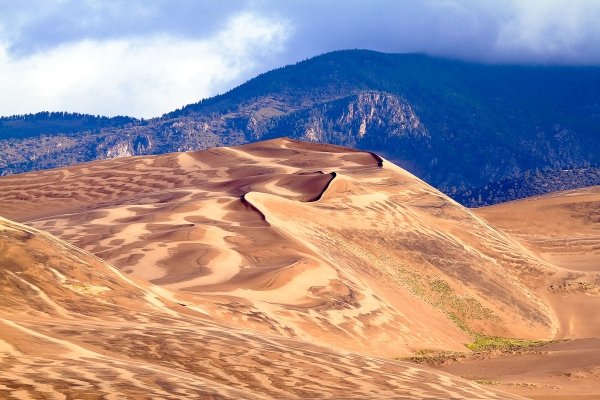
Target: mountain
49,139
459,126
52,123
254,270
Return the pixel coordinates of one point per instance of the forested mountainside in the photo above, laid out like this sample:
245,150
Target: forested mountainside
529,184
463,127
51,123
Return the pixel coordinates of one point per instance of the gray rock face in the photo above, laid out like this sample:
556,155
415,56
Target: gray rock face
349,120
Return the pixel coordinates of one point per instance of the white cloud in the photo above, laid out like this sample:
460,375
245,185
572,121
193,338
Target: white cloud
142,77
147,57
551,30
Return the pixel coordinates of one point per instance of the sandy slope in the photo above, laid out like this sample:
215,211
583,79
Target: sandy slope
324,244
72,326
562,228
567,370
310,241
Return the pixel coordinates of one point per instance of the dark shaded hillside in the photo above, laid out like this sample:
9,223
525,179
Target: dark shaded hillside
49,123
457,125
529,184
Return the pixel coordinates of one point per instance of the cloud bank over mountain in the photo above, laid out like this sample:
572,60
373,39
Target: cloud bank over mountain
147,57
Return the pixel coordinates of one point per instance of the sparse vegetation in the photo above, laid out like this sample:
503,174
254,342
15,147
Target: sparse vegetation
481,345
460,308
484,343
459,322
432,357
486,382
440,286
84,288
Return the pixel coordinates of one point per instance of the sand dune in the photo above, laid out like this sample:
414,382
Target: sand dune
72,326
564,370
322,243
196,222
318,243
562,228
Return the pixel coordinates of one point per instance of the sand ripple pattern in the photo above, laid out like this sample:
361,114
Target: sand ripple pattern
130,341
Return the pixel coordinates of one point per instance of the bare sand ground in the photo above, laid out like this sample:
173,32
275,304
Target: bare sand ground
563,370
73,326
318,243
562,228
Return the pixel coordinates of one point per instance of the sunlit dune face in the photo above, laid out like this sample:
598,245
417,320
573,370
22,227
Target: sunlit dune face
317,243
72,325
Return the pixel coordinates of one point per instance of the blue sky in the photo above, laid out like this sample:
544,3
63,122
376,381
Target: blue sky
147,57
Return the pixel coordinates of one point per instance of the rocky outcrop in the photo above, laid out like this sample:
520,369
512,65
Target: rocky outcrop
347,121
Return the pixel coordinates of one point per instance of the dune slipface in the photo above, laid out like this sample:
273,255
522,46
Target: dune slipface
318,243
73,326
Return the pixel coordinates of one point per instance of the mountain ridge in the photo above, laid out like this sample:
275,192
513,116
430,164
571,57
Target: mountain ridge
483,123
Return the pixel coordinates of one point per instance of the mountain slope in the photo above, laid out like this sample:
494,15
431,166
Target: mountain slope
327,244
529,184
52,123
72,326
459,126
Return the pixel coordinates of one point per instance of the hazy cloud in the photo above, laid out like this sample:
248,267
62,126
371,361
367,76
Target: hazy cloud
146,57
532,31
552,31
140,76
